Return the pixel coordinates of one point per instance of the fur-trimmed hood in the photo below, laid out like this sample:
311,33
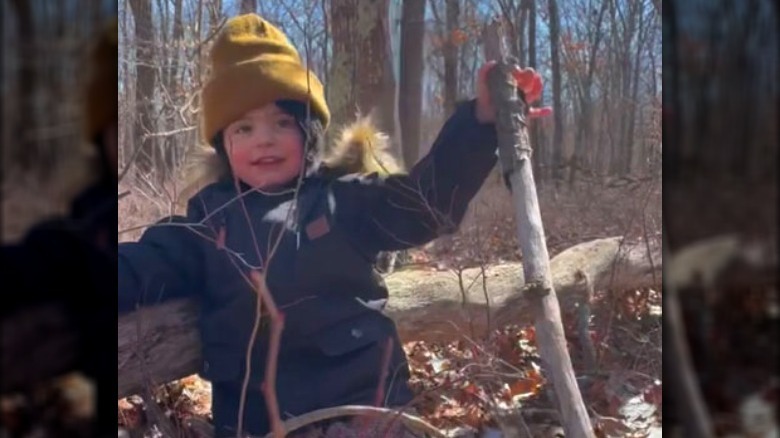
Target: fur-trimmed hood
360,147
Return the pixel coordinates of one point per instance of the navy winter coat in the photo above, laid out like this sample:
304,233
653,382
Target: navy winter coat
321,276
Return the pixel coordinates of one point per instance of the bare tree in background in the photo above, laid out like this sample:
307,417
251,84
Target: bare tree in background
145,83
598,74
25,153
624,23
248,6
557,144
361,77
215,12
582,77
451,57
410,81
515,13
44,48
720,116
629,58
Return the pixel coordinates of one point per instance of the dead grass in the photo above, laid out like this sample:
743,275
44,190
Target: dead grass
145,205
592,210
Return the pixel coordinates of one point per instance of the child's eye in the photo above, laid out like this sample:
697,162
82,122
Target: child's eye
242,129
286,122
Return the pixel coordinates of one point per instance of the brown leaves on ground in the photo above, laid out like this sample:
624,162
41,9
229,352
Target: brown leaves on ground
180,401
462,382
470,383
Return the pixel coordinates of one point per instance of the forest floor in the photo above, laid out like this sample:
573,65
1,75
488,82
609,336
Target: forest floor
469,384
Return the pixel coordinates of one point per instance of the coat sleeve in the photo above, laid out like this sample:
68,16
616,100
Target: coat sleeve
165,263
401,211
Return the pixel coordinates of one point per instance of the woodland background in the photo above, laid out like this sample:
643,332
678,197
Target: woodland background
410,62
597,160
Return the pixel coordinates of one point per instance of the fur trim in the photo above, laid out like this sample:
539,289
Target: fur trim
361,148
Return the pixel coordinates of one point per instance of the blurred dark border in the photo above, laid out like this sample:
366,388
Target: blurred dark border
720,162
43,71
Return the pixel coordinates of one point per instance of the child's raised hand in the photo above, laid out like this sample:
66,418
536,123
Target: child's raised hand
528,80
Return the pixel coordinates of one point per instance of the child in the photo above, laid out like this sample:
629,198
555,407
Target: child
275,191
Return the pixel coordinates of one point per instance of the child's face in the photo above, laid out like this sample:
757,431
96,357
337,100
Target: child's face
264,147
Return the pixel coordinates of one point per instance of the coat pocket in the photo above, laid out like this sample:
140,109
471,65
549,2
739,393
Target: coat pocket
224,336
354,334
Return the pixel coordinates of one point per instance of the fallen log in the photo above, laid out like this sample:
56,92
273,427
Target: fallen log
160,343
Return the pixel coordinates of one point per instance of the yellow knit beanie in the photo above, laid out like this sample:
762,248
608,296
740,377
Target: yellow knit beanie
254,64
100,96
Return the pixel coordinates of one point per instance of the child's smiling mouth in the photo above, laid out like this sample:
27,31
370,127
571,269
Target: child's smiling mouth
267,161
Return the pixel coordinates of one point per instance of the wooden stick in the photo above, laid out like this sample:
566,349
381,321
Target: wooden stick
515,160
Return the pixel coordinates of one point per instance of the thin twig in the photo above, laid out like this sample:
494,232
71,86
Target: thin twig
487,297
277,325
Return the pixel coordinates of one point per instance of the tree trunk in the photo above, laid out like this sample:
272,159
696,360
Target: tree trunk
176,87
631,143
451,52
631,84
557,144
199,69
612,96
410,81
326,43
214,8
625,105
145,84
248,6
361,78
178,35
515,16
25,122
521,49
582,139
426,306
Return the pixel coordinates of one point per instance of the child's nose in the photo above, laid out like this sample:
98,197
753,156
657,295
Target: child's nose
265,135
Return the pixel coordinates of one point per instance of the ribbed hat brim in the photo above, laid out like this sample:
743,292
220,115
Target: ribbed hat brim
255,83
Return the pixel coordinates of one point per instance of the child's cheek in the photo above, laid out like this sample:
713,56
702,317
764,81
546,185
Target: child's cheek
298,163
239,157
